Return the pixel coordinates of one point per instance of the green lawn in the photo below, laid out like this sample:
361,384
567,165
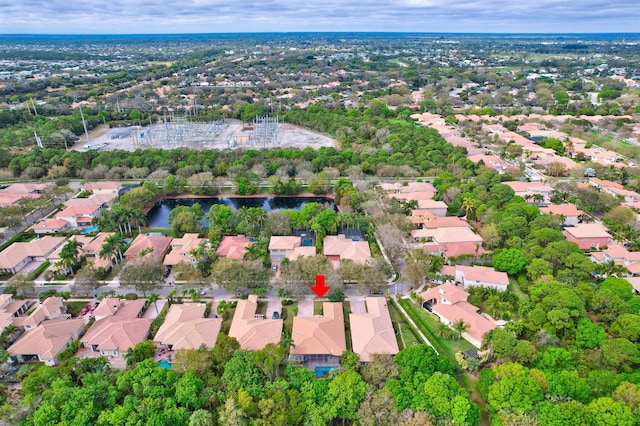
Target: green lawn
317,308
428,323
346,309
287,316
75,306
514,288
404,332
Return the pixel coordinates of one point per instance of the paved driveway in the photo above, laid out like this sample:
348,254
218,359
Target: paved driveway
274,305
305,308
357,305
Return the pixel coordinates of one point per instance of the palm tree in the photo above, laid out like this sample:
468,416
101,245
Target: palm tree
153,298
69,256
469,206
201,255
444,331
460,327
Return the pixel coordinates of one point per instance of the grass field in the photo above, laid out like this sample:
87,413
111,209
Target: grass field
317,308
404,332
287,316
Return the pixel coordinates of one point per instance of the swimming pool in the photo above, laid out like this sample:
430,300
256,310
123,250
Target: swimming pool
90,229
163,363
323,370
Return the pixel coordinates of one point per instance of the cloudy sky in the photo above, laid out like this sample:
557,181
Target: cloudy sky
212,16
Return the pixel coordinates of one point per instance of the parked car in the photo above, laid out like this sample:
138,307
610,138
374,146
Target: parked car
274,268
166,273
84,310
275,315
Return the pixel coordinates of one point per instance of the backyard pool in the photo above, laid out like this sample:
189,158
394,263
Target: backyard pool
90,229
163,363
322,370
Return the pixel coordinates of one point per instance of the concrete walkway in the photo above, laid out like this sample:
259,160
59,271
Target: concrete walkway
413,324
357,305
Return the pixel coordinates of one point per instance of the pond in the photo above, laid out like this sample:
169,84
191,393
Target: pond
158,217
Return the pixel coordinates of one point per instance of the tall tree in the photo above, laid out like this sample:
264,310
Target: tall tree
143,275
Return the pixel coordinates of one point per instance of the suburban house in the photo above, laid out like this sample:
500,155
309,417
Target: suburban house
153,247
91,250
55,256
280,246
181,249
27,188
438,208
321,339
491,161
118,326
341,247
50,308
408,187
474,276
530,190
80,216
18,255
252,330
11,309
372,332
450,304
419,216
233,246
588,235
444,241
620,256
108,187
635,283
8,200
569,212
103,200
185,327
51,226
45,342
445,222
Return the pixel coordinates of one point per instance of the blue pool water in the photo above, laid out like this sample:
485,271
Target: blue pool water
90,229
322,370
163,363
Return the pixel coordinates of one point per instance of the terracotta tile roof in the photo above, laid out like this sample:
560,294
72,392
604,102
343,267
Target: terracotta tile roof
39,247
455,249
478,324
320,335
339,245
122,329
483,273
26,188
302,251
372,332
459,234
528,186
284,242
254,333
76,211
186,328
93,200
181,249
48,339
448,291
93,186
53,224
562,209
431,204
233,247
94,247
445,222
159,243
588,230
7,199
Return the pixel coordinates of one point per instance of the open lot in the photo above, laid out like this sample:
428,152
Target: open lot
232,134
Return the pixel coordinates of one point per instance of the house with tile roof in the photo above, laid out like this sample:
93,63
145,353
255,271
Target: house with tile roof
11,309
491,161
252,330
185,327
181,249
50,308
8,200
449,303
620,256
118,327
321,338
80,216
588,235
528,190
280,246
27,188
569,212
106,187
477,276
153,247
340,247
91,250
103,200
51,226
372,332
45,342
233,246
438,208
19,254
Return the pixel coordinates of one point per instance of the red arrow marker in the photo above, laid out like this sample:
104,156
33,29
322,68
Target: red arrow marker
320,288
